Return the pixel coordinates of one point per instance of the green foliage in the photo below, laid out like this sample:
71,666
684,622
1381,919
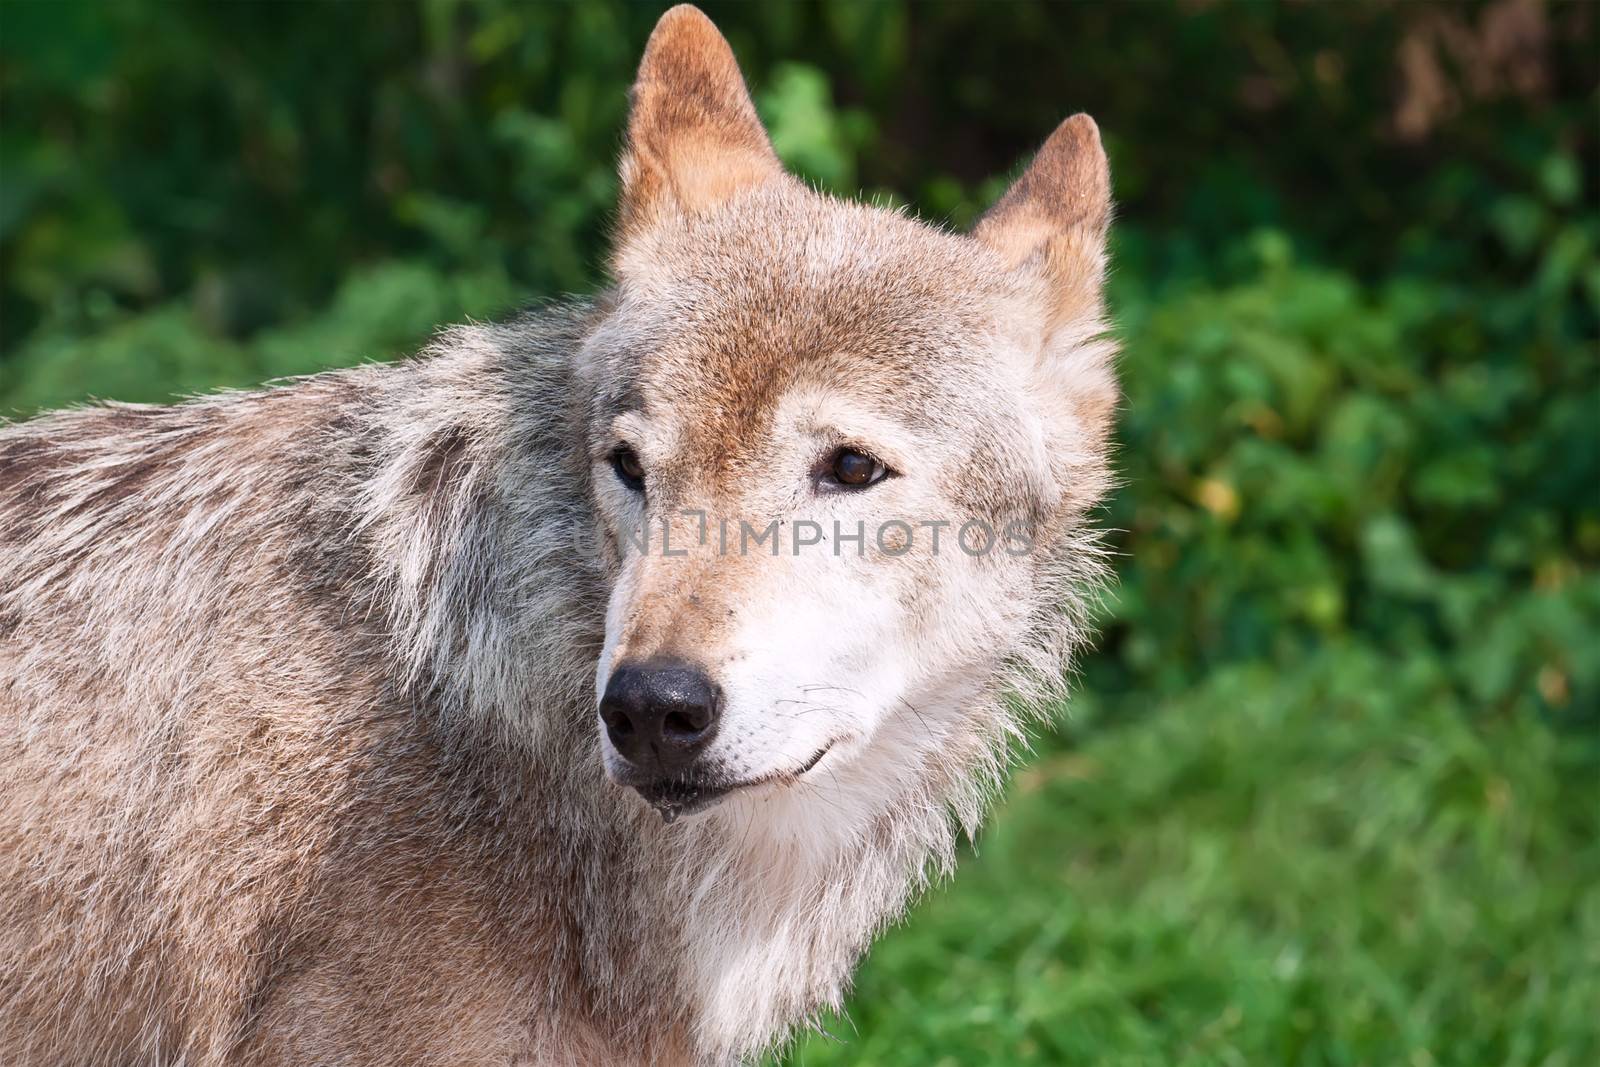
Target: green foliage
1308,458
1330,792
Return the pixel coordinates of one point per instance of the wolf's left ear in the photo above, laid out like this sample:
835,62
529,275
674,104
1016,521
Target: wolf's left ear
1056,216
1052,224
694,139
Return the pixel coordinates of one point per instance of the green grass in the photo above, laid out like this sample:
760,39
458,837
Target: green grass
1336,863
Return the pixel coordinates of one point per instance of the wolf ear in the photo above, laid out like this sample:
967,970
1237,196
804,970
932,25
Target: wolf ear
1052,224
1057,214
694,139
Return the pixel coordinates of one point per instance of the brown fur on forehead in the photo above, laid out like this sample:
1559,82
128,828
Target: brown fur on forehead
787,288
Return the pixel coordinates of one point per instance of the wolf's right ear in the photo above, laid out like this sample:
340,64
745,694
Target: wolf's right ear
1056,216
694,139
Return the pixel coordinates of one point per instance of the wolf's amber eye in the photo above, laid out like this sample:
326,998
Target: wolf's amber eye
625,461
856,469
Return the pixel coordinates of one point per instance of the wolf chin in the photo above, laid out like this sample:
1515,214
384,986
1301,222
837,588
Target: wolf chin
338,720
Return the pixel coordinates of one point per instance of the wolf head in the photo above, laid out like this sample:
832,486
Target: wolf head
841,457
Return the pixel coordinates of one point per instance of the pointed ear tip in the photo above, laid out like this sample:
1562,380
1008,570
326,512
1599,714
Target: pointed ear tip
686,45
1077,132
685,23
679,14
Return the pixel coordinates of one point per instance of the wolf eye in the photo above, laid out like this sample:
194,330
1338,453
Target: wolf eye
625,461
854,469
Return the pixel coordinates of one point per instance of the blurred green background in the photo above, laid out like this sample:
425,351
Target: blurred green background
1330,793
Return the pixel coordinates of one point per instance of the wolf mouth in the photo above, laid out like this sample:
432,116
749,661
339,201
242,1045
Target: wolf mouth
674,797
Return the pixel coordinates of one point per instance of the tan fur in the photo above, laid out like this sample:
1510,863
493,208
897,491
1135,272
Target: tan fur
297,686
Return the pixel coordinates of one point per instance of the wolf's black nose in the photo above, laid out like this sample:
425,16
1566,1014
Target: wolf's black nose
660,716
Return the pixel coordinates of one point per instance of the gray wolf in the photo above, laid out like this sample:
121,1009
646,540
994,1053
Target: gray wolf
348,721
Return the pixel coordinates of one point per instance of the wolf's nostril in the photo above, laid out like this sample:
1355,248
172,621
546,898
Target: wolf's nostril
678,725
